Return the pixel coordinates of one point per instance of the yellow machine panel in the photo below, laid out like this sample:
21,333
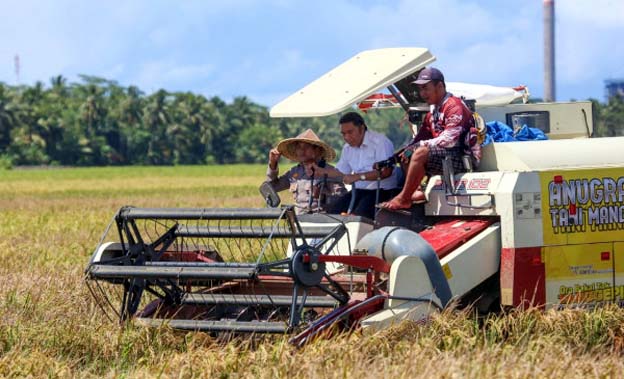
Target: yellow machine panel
578,275
583,206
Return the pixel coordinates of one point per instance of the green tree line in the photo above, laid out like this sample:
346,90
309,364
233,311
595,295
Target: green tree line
96,121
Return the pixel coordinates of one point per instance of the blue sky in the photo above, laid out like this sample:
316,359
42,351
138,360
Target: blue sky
267,49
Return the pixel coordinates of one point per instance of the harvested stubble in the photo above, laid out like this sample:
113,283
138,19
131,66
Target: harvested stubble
50,220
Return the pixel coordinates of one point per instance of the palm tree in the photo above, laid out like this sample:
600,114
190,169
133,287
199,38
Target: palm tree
127,112
92,110
59,86
156,119
7,117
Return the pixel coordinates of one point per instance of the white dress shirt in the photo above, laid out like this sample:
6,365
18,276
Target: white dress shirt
374,148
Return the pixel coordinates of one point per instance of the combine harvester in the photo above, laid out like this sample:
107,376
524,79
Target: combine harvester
538,224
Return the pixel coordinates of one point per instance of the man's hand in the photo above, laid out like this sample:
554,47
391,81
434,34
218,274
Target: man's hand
328,170
385,172
274,157
407,153
319,171
403,158
350,178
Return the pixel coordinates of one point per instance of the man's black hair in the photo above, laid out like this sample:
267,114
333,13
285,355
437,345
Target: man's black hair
435,82
353,117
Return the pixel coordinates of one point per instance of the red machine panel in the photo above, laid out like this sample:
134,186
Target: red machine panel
445,236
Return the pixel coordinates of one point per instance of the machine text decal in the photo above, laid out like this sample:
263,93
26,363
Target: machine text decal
578,204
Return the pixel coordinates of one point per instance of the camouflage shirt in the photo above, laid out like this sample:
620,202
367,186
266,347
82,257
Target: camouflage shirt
298,183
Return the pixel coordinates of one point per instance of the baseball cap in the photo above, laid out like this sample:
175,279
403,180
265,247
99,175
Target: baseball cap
429,74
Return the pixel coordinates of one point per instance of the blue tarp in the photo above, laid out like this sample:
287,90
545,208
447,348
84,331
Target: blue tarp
499,132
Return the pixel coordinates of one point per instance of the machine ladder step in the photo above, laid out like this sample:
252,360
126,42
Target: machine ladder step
251,299
218,326
180,273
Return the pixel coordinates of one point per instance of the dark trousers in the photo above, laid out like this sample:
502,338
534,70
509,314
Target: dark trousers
364,204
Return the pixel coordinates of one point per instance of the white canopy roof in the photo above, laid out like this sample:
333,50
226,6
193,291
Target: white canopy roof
353,81
487,95
484,95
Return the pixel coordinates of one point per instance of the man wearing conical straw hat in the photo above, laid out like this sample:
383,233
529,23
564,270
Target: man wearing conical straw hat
307,188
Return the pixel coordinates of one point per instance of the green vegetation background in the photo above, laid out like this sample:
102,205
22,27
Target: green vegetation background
97,122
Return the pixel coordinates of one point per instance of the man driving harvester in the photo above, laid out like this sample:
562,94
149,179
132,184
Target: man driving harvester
447,131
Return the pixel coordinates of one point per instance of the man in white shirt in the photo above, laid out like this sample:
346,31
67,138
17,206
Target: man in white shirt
362,149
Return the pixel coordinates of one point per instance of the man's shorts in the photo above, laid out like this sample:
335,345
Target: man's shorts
437,155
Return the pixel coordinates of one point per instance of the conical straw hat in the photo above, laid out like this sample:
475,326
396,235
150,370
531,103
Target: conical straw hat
287,146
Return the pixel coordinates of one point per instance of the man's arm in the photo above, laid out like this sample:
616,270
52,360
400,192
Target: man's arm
272,174
342,168
424,132
369,175
384,149
344,172
279,183
347,178
274,156
331,172
453,127
447,139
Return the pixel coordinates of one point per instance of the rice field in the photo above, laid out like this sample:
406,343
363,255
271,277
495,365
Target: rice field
51,220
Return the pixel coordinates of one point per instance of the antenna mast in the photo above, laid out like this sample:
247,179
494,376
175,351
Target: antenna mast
17,69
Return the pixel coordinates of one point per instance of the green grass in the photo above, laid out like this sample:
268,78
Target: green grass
51,219
130,172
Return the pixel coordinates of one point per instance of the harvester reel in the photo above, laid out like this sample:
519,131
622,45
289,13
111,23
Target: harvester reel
305,267
138,254
245,283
